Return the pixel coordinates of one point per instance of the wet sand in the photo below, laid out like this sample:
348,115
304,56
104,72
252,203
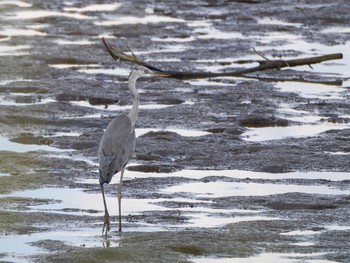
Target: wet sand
227,170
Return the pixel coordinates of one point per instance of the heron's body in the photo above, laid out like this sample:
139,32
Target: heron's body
118,145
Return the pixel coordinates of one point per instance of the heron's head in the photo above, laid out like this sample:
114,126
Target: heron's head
140,71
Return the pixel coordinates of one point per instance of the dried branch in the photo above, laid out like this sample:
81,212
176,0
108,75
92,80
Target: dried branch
116,54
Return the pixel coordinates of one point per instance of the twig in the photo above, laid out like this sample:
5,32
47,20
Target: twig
261,55
116,54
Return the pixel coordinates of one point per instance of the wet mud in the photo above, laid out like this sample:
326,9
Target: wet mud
249,169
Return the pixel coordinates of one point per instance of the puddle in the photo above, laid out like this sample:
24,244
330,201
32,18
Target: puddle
75,201
315,232
223,189
80,42
65,66
15,248
48,134
18,247
312,90
4,39
23,100
205,30
295,42
208,82
300,233
240,174
10,81
36,14
182,132
286,112
304,244
94,8
337,228
85,116
6,145
272,21
173,39
336,29
19,50
295,131
338,153
116,107
268,258
16,3
12,32
164,49
78,158
107,71
210,221
132,20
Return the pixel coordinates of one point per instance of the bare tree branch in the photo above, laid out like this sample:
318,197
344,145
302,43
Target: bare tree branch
116,54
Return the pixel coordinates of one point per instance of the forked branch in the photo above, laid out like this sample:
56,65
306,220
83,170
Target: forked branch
263,65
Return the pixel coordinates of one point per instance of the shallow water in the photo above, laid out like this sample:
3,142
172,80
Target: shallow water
130,20
312,90
237,174
116,107
6,145
93,8
23,100
35,14
222,189
17,247
20,50
296,131
269,258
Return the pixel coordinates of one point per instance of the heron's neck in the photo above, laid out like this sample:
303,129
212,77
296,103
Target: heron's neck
135,104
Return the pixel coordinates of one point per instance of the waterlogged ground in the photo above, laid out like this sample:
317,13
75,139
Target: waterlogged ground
227,170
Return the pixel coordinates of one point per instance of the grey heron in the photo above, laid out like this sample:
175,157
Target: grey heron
117,145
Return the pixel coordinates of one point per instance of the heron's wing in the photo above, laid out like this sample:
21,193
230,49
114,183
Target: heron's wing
116,147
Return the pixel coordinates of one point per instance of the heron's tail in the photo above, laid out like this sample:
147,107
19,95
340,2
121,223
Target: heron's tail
104,179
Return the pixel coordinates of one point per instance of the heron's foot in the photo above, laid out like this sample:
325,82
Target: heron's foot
106,225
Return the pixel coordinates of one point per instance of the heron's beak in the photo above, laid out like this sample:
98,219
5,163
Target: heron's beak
160,74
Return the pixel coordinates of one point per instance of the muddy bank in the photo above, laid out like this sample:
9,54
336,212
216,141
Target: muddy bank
242,170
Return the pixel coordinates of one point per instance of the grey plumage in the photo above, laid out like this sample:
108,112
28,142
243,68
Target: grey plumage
116,147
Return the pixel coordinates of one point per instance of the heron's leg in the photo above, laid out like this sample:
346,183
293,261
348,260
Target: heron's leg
106,223
120,199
